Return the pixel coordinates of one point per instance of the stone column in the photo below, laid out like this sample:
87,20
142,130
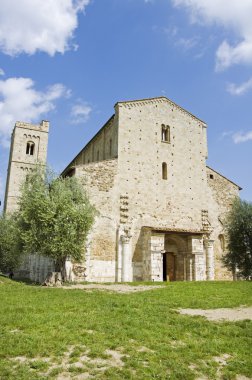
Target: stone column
156,257
119,257
209,259
190,269
198,258
126,259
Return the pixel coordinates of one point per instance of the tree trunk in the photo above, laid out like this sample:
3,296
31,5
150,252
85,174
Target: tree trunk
65,267
53,279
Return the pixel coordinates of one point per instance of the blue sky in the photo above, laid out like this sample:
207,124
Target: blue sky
70,61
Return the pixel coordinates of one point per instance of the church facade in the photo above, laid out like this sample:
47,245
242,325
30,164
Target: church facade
160,207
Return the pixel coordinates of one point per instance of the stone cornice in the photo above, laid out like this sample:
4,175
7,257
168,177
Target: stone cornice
175,230
157,100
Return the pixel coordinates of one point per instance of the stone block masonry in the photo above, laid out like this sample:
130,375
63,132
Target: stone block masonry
160,208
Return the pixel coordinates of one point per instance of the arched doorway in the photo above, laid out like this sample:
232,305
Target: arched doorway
173,258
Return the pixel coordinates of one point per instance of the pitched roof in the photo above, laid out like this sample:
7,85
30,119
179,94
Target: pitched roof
240,188
158,99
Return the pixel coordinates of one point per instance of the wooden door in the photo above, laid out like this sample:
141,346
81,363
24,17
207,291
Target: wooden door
171,266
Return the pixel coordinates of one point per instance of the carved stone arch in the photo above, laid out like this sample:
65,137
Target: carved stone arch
174,257
176,240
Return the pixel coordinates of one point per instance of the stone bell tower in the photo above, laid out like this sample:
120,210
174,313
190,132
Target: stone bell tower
28,148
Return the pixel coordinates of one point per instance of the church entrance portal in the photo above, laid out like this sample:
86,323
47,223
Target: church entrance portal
169,266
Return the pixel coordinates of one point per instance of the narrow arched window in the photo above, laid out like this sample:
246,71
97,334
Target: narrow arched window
98,155
222,242
30,147
165,133
164,170
110,148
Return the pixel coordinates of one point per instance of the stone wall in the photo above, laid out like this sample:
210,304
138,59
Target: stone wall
36,268
177,201
103,146
100,181
152,201
223,192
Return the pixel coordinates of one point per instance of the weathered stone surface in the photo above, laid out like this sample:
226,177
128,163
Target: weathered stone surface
168,220
21,162
130,194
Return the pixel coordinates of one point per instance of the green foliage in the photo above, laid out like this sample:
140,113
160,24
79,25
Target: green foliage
10,244
239,229
55,216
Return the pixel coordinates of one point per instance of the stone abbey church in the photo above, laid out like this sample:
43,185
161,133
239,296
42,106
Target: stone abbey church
161,208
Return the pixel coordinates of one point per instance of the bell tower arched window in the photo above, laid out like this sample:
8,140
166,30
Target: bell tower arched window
30,148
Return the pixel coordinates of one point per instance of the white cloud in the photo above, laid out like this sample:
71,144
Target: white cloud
1,72
19,100
27,26
241,137
239,89
225,134
80,112
184,43
234,15
187,43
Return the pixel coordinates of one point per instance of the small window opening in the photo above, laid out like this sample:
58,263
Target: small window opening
222,242
165,133
30,146
110,147
211,176
98,155
164,170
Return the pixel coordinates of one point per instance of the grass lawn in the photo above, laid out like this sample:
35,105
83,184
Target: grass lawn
63,334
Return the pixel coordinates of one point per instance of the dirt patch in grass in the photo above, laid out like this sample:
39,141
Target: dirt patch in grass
75,366
231,314
119,288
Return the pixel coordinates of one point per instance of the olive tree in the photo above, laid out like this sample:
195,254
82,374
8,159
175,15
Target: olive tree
55,216
239,231
10,243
